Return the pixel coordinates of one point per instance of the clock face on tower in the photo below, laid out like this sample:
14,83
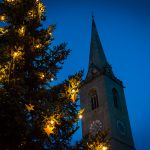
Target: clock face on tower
95,127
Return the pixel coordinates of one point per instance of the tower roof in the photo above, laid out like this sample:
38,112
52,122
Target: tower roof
97,59
97,56
98,63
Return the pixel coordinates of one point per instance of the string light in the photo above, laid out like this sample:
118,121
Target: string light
42,76
4,72
3,31
100,146
38,46
52,122
80,113
52,79
18,53
21,31
80,116
51,35
105,148
10,1
32,14
73,91
15,54
2,18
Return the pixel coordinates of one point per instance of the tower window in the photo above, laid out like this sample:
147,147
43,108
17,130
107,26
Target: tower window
115,98
94,99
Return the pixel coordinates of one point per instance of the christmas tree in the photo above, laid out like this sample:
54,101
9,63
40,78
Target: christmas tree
33,113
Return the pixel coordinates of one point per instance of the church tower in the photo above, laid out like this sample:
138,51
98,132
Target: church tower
102,97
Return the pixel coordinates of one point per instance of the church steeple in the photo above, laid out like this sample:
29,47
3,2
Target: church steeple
97,56
102,97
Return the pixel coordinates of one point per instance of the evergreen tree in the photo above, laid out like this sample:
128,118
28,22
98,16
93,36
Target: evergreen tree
33,114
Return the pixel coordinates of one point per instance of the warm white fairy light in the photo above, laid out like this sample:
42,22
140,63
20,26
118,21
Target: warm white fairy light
32,14
73,91
52,122
15,54
80,116
42,76
2,18
4,72
21,31
52,79
10,1
105,148
38,46
3,31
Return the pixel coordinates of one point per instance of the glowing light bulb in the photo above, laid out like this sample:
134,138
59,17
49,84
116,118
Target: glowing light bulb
15,54
42,76
2,30
73,91
9,0
38,46
21,31
105,147
52,79
2,18
52,122
80,116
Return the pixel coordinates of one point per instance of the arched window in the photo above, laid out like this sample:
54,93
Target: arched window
94,99
115,98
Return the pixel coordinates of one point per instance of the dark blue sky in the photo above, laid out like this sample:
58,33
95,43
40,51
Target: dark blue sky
124,29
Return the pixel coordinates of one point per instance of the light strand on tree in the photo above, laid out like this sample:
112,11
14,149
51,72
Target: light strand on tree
2,18
21,31
3,31
80,113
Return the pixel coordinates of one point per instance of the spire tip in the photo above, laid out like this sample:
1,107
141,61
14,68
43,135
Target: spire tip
92,15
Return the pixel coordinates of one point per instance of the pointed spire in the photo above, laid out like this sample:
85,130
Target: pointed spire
97,56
